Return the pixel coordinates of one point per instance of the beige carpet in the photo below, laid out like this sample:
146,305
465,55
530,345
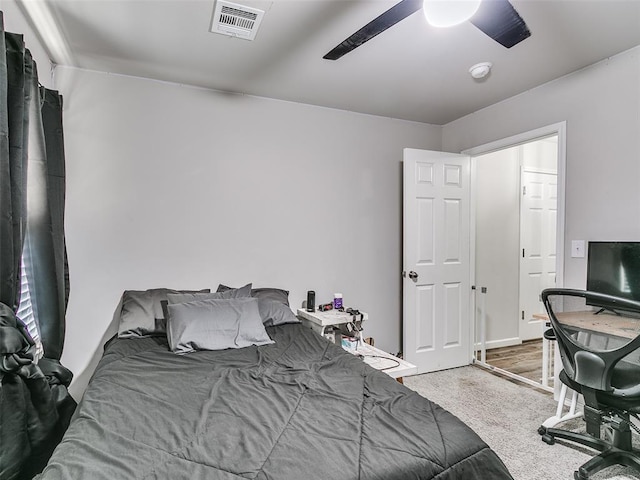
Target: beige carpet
507,415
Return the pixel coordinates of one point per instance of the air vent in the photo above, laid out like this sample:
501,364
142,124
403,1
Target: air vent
236,20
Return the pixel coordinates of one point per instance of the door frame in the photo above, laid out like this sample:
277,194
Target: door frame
558,129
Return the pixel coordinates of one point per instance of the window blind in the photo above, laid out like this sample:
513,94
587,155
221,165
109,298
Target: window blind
25,311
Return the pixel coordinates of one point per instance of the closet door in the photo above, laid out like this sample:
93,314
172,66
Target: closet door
538,218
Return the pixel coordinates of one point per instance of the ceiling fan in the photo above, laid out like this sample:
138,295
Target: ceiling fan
496,18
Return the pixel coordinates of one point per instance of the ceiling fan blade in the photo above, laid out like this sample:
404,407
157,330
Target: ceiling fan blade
499,20
398,12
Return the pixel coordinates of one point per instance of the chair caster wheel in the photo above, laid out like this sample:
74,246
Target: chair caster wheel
548,439
542,430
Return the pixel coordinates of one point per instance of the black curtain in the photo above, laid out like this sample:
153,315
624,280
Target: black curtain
15,69
44,250
35,406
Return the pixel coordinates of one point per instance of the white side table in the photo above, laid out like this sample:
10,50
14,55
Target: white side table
319,321
380,360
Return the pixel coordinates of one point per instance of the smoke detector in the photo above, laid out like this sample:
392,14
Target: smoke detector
480,70
235,20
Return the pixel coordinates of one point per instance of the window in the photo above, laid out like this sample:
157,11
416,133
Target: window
25,311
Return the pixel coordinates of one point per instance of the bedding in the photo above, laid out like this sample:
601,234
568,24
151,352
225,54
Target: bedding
215,324
140,311
189,296
273,304
299,408
275,313
275,294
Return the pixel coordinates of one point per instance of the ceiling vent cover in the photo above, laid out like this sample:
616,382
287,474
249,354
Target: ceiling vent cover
235,20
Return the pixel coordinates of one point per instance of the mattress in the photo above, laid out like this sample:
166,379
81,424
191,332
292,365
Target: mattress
300,408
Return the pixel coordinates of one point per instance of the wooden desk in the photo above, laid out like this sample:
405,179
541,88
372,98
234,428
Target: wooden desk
607,323
604,323
587,321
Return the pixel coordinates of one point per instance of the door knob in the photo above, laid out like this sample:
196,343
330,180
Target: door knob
413,275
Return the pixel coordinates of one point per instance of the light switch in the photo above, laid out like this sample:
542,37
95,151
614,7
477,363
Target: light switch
577,248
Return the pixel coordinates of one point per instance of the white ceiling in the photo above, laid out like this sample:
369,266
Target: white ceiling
412,71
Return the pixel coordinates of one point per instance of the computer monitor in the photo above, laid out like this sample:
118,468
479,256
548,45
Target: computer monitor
613,268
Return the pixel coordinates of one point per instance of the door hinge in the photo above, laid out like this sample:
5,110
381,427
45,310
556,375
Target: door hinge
523,253
522,314
524,190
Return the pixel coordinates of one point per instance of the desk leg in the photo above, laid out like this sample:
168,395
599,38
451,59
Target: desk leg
545,362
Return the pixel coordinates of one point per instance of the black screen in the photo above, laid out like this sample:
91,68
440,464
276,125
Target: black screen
613,268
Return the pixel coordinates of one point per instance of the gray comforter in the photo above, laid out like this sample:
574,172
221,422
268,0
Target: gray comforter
301,408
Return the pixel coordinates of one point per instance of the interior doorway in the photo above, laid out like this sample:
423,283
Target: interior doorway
538,211
518,204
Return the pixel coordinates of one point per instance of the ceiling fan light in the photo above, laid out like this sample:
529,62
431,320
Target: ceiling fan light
447,13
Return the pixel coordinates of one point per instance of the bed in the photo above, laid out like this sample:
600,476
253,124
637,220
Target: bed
291,406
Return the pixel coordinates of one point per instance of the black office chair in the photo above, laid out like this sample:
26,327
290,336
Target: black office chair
598,337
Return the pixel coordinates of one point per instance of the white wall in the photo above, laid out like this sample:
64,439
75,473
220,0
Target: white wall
186,188
601,105
540,154
497,209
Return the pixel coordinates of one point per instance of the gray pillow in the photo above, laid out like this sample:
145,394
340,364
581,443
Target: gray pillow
275,313
275,294
141,312
190,297
215,325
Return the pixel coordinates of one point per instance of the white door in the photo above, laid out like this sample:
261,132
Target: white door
538,214
436,283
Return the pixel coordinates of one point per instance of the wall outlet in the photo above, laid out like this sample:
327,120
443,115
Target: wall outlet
577,248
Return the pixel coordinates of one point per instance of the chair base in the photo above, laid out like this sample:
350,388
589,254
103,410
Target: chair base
609,455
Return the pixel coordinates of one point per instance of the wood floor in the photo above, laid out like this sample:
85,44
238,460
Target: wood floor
524,360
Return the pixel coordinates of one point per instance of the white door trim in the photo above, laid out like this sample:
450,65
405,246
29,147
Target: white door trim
559,129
